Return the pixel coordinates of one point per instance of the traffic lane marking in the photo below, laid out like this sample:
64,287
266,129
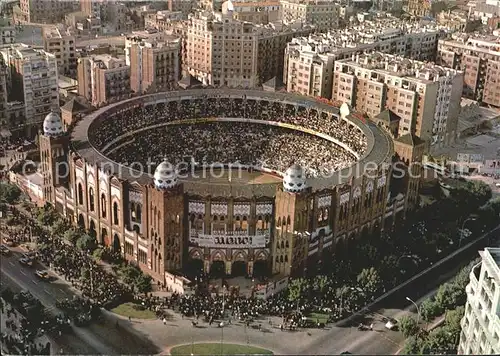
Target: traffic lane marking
22,272
34,281
11,263
46,291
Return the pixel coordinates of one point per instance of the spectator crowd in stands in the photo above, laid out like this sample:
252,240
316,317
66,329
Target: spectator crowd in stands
252,144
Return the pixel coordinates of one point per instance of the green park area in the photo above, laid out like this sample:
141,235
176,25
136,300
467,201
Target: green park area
135,311
215,349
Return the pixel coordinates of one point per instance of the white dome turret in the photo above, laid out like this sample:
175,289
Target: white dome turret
165,176
344,110
294,180
52,125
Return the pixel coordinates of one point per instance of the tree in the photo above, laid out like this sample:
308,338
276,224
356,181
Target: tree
450,295
453,319
408,326
98,253
72,236
46,216
59,227
320,283
413,346
9,193
440,341
86,243
369,281
430,309
142,283
297,288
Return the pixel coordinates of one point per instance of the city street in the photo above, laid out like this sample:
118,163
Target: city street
101,338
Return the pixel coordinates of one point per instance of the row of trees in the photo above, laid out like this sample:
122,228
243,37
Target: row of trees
449,300
9,193
85,241
380,262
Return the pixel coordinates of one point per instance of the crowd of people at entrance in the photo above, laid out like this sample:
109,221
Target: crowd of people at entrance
250,143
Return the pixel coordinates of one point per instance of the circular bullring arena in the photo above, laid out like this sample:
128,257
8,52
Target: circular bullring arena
232,150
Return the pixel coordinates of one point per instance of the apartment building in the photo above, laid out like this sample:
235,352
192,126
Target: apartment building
59,41
323,14
257,12
3,93
154,65
222,51
479,58
184,6
103,79
43,11
426,97
481,323
162,20
313,57
7,32
92,8
33,82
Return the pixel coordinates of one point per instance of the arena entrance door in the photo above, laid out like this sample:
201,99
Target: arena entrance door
239,269
81,221
194,267
116,243
217,270
260,269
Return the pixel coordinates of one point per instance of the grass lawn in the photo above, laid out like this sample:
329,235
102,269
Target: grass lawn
214,349
134,311
318,317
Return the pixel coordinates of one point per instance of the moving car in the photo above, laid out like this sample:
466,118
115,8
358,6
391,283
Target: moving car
4,250
42,274
25,261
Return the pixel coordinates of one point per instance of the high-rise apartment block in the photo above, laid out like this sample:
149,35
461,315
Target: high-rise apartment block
92,8
61,42
221,51
258,12
309,61
323,14
479,58
43,11
426,97
7,32
154,65
33,82
103,79
3,93
481,323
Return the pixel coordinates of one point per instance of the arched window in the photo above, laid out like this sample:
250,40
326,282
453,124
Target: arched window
281,258
287,244
138,213
286,258
80,194
115,213
91,199
103,205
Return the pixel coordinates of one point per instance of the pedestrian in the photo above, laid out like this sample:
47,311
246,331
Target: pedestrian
164,321
371,326
129,318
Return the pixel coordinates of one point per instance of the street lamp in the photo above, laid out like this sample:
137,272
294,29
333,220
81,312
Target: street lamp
472,218
416,306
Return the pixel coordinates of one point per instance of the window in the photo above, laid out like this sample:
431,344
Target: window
91,199
103,205
80,194
115,213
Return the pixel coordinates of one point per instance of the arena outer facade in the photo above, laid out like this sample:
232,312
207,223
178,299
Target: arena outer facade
227,226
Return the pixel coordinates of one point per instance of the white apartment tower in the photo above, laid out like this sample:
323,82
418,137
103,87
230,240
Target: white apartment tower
34,81
481,322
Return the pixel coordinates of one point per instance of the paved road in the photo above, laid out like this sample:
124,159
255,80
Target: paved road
101,338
